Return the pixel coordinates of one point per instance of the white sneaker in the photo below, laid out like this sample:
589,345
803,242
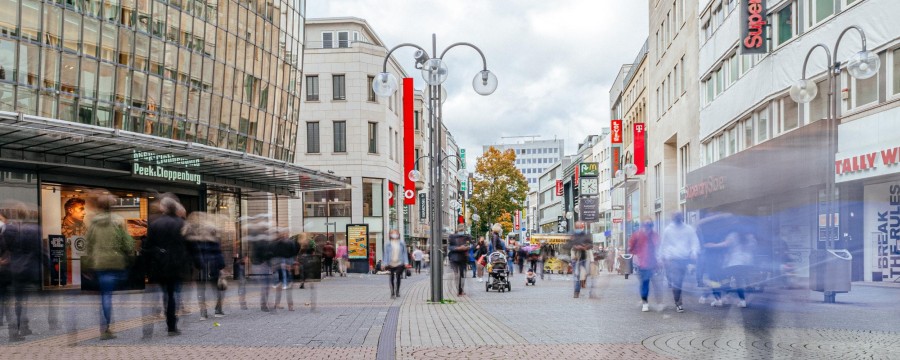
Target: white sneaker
645,307
716,303
480,280
702,299
742,303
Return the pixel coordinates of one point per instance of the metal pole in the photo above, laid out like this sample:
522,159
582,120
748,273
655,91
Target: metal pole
437,288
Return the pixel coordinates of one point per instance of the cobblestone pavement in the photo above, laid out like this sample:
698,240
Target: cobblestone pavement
345,318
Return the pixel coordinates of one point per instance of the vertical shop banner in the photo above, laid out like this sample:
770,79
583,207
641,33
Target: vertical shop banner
57,245
517,220
577,174
559,187
616,132
753,26
409,139
616,157
391,193
423,207
640,147
357,241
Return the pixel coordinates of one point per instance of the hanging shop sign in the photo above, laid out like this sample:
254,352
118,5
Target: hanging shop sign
409,140
640,146
589,169
559,187
357,241
616,132
165,166
423,208
590,209
753,25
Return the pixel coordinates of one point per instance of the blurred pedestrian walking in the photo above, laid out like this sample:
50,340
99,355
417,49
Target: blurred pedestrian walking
328,254
481,251
168,258
20,245
740,246
286,250
342,258
260,235
203,238
458,245
109,252
643,245
678,249
395,261
581,252
417,260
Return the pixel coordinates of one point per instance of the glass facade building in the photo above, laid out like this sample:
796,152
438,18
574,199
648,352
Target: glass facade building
219,73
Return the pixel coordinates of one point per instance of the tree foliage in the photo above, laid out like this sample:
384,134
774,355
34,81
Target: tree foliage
498,188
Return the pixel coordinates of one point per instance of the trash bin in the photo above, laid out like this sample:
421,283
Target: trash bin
625,264
830,272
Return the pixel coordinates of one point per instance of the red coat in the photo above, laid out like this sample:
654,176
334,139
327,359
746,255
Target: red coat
643,245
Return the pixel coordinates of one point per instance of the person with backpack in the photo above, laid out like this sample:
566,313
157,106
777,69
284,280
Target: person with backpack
109,249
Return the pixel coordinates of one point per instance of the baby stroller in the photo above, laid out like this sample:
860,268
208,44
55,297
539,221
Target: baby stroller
499,272
530,279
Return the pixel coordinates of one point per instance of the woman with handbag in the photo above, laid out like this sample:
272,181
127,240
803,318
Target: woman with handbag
109,253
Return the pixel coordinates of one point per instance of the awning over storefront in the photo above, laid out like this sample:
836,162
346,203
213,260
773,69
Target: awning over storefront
42,143
793,161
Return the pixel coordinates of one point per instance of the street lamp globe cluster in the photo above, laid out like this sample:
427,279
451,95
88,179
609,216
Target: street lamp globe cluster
435,71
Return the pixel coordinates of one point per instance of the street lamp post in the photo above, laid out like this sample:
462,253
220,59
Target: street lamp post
621,176
435,72
862,65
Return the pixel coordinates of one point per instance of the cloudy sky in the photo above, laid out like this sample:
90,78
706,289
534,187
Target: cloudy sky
555,60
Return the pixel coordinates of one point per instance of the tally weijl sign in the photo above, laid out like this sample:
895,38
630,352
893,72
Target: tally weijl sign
151,164
848,167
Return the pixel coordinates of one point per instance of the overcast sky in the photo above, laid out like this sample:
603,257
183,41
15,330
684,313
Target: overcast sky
555,60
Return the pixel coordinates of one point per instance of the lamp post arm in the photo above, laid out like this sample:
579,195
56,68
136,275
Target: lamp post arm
388,56
827,53
483,59
416,165
450,156
862,36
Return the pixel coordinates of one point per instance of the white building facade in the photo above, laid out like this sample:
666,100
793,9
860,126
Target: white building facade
533,157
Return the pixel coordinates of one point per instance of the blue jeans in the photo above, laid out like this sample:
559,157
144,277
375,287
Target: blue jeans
107,279
646,275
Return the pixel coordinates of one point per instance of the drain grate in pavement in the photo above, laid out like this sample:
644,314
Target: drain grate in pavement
387,342
778,343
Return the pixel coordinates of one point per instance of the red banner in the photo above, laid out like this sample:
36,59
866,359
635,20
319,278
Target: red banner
559,188
409,138
616,132
616,158
518,214
640,147
391,194
577,171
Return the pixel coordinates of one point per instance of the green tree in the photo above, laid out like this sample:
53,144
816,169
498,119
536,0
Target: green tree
498,189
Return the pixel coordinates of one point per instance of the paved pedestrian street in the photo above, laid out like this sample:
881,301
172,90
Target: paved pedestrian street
354,318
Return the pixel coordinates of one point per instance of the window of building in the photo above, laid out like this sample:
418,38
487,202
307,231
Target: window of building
895,71
721,144
817,109
327,203
373,197
312,88
343,38
864,91
762,126
684,154
734,69
785,24
373,138
732,140
327,39
312,137
818,11
748,133
371,91
339,90
416,119
340,136
720,81
391,143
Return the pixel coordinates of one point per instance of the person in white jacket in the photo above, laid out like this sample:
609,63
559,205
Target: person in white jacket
678,248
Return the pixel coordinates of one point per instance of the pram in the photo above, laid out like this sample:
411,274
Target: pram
499,273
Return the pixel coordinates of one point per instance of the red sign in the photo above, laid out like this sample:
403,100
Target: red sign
577,170
409,139
640,151
517,219
559,187
753,25
617,220
391,193
616,133
616,157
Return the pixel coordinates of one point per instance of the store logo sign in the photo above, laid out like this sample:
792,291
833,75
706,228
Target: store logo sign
753,25
148,163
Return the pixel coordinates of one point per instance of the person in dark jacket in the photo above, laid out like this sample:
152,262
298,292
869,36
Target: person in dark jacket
458,246
286,250
167,255
20,244
328,258
202,236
